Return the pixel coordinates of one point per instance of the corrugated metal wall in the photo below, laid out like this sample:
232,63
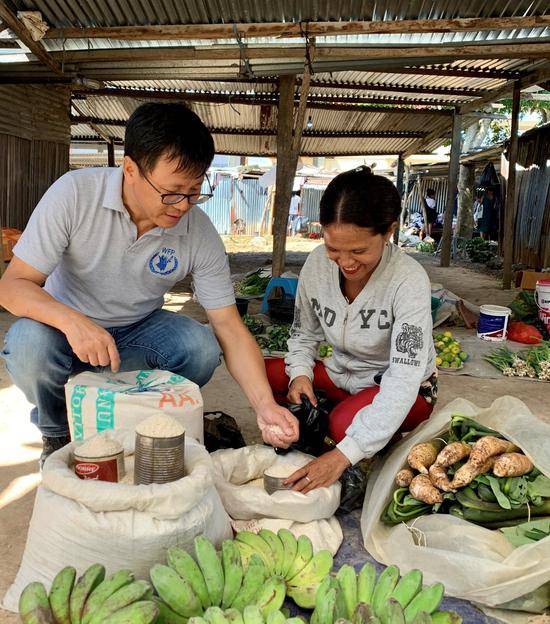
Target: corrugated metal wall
532,239
218,208
34,147
245,199
27,169
311,199
35,112
238,199
249,202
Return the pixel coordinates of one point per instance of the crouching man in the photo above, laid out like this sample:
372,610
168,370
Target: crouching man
90,271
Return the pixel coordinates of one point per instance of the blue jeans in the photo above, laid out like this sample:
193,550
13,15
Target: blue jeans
40,360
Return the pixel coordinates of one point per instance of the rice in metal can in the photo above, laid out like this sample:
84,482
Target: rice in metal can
108,468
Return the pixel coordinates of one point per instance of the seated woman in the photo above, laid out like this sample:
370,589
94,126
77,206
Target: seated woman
372,303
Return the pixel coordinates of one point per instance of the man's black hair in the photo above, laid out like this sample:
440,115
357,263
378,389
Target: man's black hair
172,130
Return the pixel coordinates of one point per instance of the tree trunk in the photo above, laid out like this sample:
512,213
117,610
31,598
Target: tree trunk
465,218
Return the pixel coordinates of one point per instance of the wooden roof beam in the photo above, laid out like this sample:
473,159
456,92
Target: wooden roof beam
296,29
314,134
10,20
116,141
462,50
264,100
215,96
29,72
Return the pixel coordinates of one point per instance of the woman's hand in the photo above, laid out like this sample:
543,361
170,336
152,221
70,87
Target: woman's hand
320,472
301,385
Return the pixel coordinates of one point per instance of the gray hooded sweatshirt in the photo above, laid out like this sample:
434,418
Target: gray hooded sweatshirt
383,337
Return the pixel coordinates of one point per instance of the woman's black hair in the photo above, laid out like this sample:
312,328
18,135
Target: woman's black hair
360,198
158,129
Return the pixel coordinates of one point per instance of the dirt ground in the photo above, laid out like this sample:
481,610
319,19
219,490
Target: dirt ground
20,442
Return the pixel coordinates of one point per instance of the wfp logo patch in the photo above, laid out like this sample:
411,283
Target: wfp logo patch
163,262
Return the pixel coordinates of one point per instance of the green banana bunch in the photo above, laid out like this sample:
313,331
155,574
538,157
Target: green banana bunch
302,587
102,592
60,594
34,607
252,614
94,599
85,585
286,557
218,581
364,599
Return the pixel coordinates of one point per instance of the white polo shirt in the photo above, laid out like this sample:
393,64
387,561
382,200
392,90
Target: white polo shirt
82,237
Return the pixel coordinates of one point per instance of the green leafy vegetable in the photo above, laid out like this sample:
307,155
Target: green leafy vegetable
527,532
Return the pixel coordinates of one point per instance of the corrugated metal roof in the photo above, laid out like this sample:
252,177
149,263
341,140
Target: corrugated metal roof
122,12
157,74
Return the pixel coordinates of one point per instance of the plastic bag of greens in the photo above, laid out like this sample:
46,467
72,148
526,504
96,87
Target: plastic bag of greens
475,563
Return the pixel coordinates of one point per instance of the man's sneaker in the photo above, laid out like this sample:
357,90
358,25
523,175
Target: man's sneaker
50,445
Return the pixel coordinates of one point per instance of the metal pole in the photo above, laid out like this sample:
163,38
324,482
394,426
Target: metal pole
510,205
454,164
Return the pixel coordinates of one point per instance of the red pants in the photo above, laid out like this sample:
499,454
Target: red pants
347,404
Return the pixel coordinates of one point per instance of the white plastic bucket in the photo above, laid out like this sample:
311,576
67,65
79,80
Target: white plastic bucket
493,323
542,299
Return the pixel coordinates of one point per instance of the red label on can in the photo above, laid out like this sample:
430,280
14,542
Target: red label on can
100,469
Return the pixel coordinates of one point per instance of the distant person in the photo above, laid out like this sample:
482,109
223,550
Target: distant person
488,223
431,212
477,209
294,213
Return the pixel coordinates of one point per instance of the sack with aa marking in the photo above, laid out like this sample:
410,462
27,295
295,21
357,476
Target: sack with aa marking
96,402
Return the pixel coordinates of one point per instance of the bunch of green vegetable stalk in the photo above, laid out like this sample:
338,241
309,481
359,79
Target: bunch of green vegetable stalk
276,338
255,326
252,285
488,500
533,362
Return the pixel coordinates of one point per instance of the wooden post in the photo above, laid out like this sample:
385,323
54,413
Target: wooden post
510,205
2,262
286,168
454,164
289,140
399,185
111,153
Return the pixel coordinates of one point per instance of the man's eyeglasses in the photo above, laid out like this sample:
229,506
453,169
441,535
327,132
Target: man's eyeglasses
169,199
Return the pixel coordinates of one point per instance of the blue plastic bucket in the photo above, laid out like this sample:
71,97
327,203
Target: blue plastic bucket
493,323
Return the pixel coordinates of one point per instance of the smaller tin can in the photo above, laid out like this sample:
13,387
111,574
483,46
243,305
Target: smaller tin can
107,468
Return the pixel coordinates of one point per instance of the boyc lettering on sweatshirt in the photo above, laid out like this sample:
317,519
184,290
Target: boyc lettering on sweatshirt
384,335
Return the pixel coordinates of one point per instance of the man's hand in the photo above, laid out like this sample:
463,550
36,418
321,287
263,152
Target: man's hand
320,472
91,343
278,426
301,385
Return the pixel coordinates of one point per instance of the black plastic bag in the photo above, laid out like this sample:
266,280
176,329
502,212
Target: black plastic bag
313,426
221,432
280,305
354,485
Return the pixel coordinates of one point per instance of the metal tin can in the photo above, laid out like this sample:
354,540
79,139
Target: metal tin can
273,484
159,460
107,468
